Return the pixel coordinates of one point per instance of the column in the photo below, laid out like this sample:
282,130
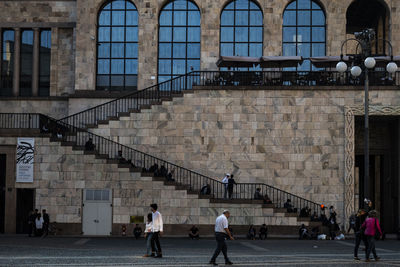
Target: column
17,60
35,62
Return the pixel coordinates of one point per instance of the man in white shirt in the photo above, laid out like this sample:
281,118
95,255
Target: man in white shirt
221,233
157,230
225,182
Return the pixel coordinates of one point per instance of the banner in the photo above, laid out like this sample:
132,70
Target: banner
25,159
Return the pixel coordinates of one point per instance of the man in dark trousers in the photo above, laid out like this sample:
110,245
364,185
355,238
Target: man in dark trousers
231,183
46,223
359,233
221,233
157,230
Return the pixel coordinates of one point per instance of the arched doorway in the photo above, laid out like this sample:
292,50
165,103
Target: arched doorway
368,14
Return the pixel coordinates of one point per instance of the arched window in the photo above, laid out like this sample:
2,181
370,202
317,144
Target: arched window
178,39
304,31
241,29
117,46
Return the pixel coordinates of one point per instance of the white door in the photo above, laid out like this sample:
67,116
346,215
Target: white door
97,212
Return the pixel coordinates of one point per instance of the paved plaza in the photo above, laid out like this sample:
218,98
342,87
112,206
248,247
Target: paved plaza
64,251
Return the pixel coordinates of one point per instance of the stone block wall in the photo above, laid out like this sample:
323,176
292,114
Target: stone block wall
61,174
291,139
53,107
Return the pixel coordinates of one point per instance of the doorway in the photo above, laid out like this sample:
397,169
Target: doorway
3,165
25,203
97,212
384,167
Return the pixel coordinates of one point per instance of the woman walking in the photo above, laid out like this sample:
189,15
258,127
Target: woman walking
148,234
371,226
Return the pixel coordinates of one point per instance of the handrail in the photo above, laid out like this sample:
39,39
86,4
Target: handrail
132,158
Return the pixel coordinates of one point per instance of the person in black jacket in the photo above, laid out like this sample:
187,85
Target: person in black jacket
231,183
46,223
359,233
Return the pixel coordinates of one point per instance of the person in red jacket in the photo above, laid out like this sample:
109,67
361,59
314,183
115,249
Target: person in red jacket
371,225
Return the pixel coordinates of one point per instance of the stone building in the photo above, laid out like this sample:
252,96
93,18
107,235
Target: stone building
59,58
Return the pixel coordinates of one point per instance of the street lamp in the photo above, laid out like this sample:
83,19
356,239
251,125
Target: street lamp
364,39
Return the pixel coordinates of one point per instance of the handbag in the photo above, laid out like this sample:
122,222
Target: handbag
377,233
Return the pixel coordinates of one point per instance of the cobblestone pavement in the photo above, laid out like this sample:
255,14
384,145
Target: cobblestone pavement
85,251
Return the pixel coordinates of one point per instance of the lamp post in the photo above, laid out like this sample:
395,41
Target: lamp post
364,39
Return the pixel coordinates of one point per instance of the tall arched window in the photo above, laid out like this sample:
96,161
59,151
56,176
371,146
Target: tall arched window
241,29
304,31
178,39
117,46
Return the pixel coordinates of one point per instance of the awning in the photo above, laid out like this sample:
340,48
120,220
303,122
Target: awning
280,61
236,62
327,61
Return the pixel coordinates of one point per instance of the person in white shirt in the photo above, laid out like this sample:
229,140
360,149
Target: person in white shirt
157,230
225,182
221,233
148,234
39,225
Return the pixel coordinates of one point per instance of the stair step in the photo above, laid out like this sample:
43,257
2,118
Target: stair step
268,206
293,214
112,161
113,118
78,148
101,156
280,210
67,143
88,126
304,219
123,114
102,122
86,152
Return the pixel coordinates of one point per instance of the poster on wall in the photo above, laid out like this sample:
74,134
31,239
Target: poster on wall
25,159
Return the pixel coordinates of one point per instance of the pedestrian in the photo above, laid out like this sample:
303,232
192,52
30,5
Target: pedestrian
137,231
39,225
31,223
372,231
221,233
352,223
263,232
231,183
148,234
225,184
157,230
251,234
194,232
46,223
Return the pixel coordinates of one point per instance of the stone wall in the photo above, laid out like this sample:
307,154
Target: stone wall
291,139
53,107
61,174
37,11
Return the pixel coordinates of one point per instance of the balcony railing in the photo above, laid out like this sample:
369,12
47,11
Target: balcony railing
134,159
290,78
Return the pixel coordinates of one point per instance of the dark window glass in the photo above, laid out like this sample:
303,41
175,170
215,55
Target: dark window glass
179,39
303,31
7,63
241,29
25,84
117,47
44,61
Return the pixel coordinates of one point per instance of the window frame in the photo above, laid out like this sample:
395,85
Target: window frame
110,42
309,26
170,7
249,26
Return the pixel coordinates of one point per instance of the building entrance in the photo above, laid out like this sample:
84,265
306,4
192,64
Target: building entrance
384,167
97,212
25,203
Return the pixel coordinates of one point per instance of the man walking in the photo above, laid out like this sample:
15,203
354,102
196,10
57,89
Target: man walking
221,233
157,230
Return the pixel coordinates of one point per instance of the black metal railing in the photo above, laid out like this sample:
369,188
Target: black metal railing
132,158
290,78
156,93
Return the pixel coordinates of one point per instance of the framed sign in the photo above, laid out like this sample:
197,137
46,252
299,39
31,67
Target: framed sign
25,159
